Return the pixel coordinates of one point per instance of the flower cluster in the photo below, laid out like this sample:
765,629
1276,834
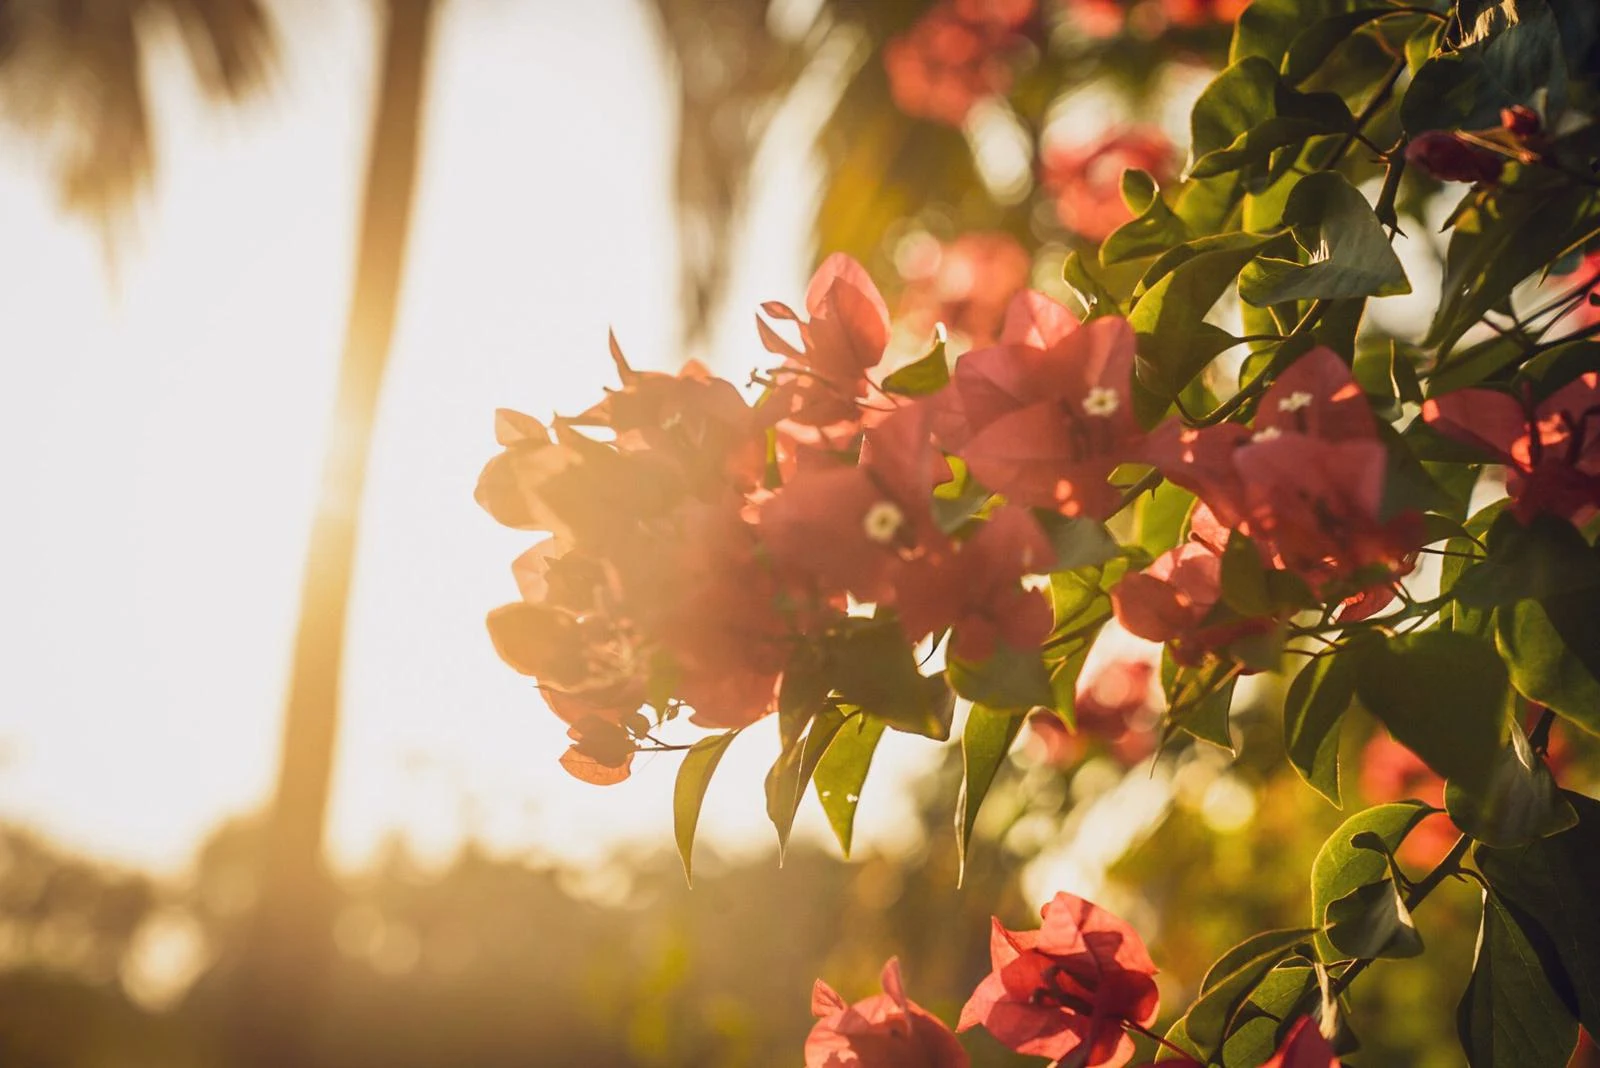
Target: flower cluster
1086,177
1074,991
709,554
955,55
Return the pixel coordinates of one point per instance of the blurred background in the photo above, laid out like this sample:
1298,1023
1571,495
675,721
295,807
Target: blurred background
266,269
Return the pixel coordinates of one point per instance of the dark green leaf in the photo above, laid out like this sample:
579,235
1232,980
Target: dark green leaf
1543,668
1341,866
1230,981
1199,699
875,669
1372,921
1443,695
1312,711
1078,541
1268,28
1014,679
1317,41
1550,883
1154,228
803,689
928,375
1519,803
694,775
842,772
1247,113
1350,253
1511,1016
1244,578
791,772
984,745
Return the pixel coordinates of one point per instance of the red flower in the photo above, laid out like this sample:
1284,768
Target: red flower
848,528
1307,484
887,1030
1087,178
1391,772
1451,158
1068,988
601,753
820,383
1552,451
1304,1047
1114,704
965,284
1199,12
1173,600
1046,426
947,62
976,588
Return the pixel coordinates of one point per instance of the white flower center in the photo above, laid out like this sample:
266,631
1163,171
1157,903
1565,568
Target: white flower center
882,521
1101,401
1295,401
1271,433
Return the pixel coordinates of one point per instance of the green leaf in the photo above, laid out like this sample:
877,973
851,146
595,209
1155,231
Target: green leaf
928,375
1510,237
1014,679
875,669
1550,882
791,772
694,775
1158,517
1443,695
842,772
1350,253
1174,343
984,745
1315,705
1341,866
1511,1016
1230,981
1077,540
1247,113
1154,228
1317,41
1244,578
1097,300
1372,921
1268,28
802,691
1199,699
1543,668
1519,803
1505,60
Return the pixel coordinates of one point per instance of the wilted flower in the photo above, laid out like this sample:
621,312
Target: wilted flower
887,1030
1450,157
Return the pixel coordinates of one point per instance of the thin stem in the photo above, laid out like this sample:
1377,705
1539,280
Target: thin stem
1147,1033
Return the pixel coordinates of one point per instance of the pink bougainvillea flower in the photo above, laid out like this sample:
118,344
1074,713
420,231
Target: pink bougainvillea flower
1190,13
1067,989
976,588
1000,14
1307,483
1304,1047
1175,598
1047,426
820,384
1551,451
966,284
849,528
1052,741
1449,157
1087,178
887,1030
1115,704
947,62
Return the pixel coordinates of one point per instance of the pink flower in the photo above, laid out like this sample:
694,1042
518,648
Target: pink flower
1552,451
1087,178
1306,484
1304,1047
1046,426
887,1030
976,589
820,383
965,284
1067,989
950,60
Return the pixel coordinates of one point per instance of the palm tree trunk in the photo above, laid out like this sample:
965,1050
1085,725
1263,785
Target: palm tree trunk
290,947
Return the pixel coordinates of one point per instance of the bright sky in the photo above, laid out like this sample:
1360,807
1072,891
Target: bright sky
160,435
